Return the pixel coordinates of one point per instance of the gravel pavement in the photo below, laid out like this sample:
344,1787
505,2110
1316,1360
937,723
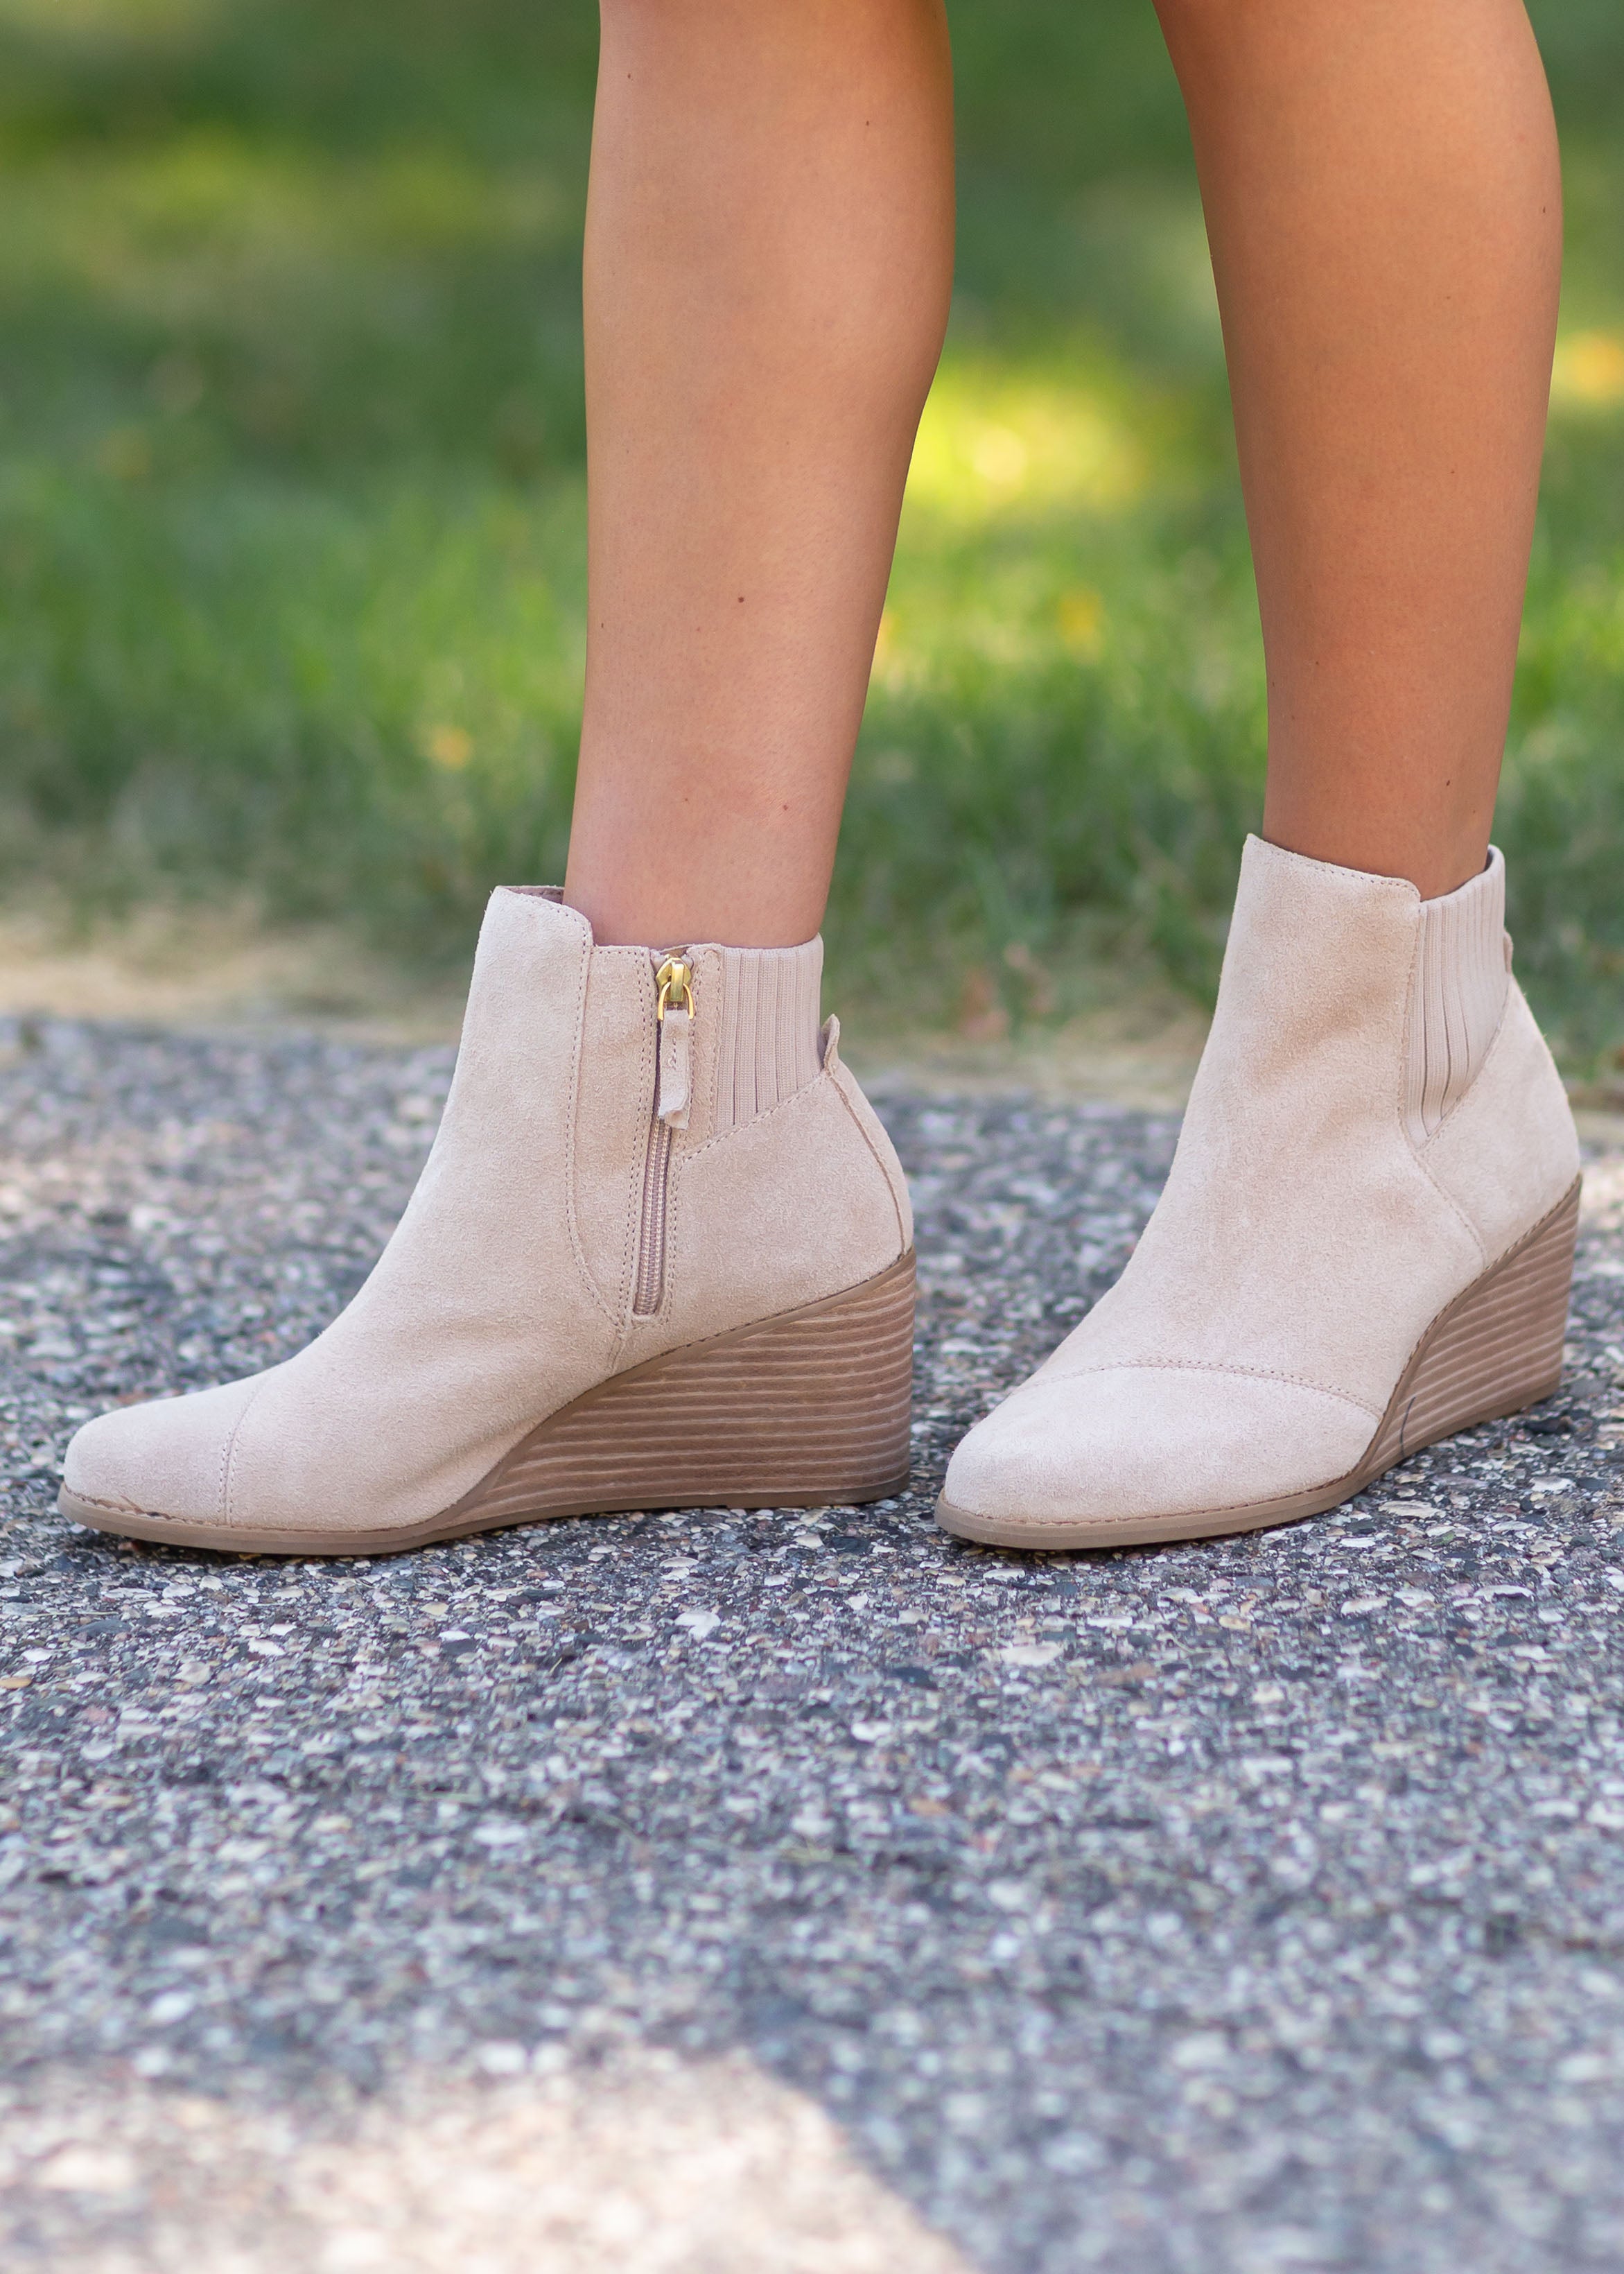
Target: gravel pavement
800,1890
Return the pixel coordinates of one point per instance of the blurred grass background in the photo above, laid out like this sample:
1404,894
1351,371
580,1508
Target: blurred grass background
291,510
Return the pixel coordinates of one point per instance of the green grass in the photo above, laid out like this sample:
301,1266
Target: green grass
291,517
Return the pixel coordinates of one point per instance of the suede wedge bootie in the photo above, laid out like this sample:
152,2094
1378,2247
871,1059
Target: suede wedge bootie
660,1256
1365,1242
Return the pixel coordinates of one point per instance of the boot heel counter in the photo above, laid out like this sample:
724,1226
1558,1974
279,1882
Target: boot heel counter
873,1131
1509,1151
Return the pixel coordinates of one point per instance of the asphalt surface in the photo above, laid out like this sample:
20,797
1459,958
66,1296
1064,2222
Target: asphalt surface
1215,1909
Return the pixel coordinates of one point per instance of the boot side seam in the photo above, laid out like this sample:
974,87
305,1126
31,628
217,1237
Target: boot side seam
621,1314
1453,1205
874,1154
889,1167
613,1313
1458,1213
827,1075
1502,1036
756,1121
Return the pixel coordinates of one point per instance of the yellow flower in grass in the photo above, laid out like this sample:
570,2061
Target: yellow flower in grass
450,747
1080,614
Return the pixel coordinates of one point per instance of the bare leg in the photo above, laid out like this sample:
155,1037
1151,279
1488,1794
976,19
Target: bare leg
1381,198
769,261
1384,207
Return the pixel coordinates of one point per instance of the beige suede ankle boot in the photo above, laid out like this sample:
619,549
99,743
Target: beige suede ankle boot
1365,1242
659,1256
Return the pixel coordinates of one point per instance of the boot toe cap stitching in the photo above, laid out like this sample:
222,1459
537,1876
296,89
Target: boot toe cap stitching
228,1444
165,1458
1266,1373
1167,1441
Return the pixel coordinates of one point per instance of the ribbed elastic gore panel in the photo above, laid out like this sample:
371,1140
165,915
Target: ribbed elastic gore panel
768,1044
1458,995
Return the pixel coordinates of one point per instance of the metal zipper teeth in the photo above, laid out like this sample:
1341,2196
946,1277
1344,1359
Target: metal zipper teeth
650,1284
648,1288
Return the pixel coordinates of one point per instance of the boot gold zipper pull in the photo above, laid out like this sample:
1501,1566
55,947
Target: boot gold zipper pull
674,1009
675,982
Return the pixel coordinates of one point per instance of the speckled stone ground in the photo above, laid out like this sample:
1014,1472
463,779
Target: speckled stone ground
1216,1909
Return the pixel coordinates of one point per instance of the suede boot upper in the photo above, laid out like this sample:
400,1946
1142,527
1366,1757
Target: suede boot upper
508,1288
1317,1220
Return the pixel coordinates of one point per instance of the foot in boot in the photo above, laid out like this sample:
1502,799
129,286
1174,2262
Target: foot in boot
1365,1242
659,1256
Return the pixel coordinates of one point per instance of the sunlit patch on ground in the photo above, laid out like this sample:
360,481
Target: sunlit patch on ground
645,2165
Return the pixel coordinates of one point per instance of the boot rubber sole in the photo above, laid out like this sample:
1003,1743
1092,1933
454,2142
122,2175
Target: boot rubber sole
1494,1350
810,1408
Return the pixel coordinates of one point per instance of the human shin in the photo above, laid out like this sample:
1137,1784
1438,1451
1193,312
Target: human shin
1365,1242
660,1256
